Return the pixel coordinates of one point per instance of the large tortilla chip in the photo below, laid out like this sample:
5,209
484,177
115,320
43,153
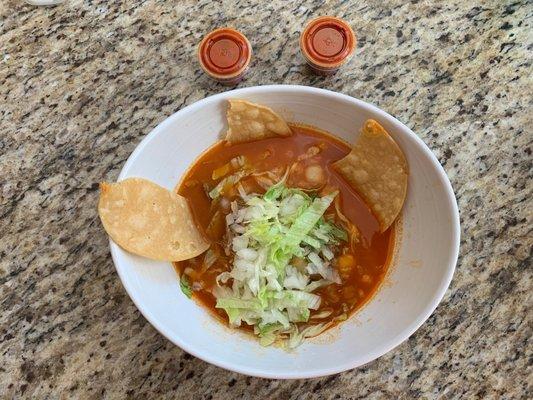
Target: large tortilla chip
248,121
147,219
376,168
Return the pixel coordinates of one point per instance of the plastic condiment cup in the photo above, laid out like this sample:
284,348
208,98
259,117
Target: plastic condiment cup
224,54
326,44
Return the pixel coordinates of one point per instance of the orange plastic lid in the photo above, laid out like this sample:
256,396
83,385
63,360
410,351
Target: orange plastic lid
224,53
327,41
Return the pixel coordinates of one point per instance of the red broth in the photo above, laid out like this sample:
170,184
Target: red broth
362,271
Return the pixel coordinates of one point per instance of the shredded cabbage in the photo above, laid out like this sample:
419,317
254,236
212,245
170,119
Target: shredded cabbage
263,288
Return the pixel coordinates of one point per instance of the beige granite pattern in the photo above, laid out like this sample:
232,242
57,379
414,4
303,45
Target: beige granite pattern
83,82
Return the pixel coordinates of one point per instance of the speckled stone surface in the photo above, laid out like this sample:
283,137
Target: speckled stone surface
83,82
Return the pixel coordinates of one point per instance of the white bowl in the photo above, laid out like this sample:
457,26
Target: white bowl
419,276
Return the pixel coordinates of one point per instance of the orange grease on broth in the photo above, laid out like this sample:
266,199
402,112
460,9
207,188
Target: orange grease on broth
372,254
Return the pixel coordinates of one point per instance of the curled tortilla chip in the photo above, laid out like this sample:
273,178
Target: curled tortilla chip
248,121
376,168
148,220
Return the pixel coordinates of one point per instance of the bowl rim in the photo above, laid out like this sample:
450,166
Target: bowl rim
319,372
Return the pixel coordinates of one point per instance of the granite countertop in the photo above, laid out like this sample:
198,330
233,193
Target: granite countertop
83,82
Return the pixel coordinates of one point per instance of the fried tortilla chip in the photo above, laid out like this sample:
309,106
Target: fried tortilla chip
376,168
147,219
248,121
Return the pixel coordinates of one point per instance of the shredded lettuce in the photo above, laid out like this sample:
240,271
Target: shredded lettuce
268,232
209,259
228,181
185,286
235,163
